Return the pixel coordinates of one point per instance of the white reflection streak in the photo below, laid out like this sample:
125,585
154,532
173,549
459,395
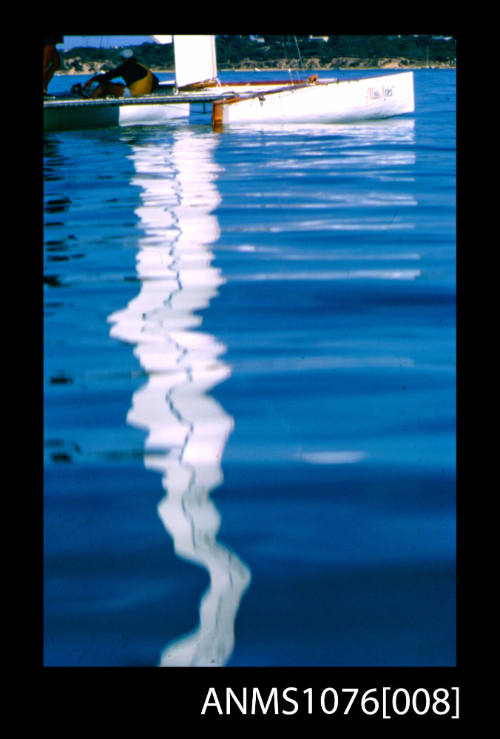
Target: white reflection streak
333,457
187,428
359,274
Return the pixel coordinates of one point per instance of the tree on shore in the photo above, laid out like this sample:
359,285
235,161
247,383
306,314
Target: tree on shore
237,51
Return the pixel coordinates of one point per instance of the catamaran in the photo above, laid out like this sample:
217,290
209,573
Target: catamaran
197,96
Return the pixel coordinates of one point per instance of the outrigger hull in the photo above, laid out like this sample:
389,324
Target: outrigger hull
336,101
66,113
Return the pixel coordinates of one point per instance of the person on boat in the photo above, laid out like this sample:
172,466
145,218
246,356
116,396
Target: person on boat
51,58
139,80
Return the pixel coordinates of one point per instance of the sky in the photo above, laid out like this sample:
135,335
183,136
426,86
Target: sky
107,41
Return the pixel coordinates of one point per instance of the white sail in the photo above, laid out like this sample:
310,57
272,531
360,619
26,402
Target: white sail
195,59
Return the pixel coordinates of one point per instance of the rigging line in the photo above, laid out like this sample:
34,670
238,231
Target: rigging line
288,62
286,56
298,52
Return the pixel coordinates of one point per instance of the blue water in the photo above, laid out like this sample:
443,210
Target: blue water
249,392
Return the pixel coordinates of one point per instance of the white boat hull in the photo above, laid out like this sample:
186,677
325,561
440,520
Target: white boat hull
321,102
334,102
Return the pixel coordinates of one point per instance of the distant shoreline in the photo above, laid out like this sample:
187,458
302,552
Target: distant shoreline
347,65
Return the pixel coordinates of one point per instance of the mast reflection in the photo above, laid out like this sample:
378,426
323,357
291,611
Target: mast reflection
187,429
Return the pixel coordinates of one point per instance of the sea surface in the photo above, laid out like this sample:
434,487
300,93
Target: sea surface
249,392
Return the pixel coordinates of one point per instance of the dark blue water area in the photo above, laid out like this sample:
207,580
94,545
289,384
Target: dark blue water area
367,576
264,321
110,573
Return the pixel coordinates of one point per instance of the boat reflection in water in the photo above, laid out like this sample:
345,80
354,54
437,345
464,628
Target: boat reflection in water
187,429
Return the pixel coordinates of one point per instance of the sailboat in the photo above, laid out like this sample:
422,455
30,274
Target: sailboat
197,96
